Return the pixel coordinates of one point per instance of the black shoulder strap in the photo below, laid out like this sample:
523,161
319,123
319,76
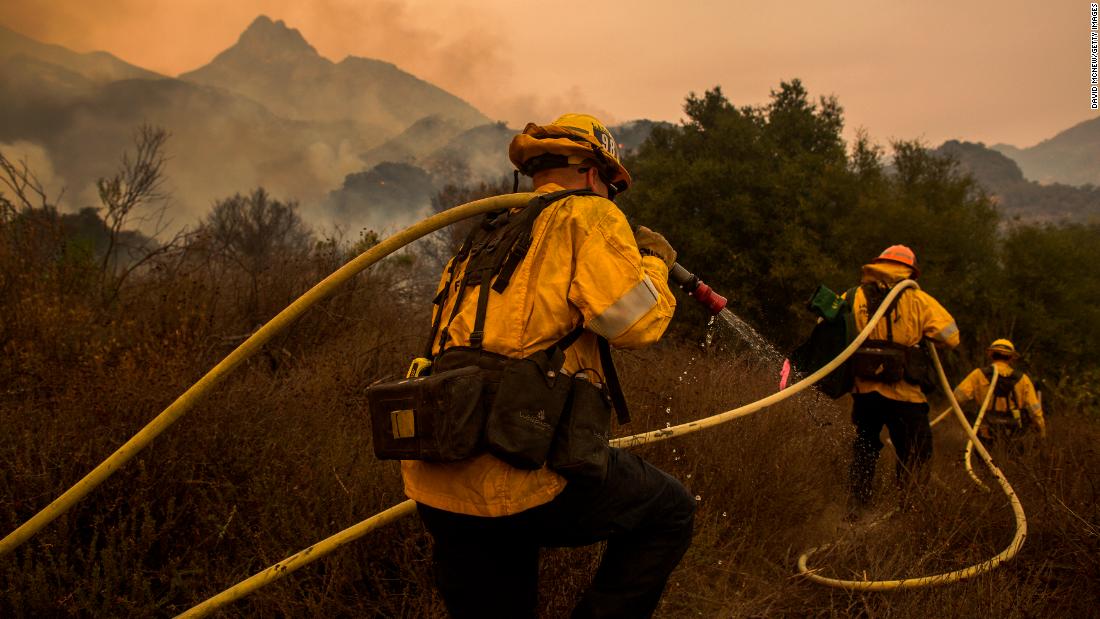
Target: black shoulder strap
614,387
523,243
569,338
1006,385
441,297
500,230
607,364
874,295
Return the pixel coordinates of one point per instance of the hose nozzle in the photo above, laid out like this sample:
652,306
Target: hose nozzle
695,287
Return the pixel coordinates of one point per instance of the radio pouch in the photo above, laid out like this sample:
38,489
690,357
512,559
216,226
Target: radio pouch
528,405
880,361
439,418
580,448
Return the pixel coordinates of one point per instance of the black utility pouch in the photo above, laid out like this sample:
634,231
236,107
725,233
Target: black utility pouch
524,415
919,369
879,361
439,418
580,448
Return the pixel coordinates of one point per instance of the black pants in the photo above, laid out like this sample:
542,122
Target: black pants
909,431
488,567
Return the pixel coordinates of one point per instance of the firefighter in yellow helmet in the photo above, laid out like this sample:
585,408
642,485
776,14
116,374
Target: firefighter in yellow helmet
1015,408
586,283
892,373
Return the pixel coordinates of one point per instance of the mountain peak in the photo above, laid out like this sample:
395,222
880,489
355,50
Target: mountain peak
269,39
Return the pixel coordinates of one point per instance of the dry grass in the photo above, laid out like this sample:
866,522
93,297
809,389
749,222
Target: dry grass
278,457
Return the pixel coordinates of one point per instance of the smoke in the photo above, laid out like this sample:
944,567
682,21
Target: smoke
521,109
455,47
331,164
38,162
218,147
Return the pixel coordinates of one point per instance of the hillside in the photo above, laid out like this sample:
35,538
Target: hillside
267,111
386,197
274,65
419,140
96,67
1072,157
86,132
1020,198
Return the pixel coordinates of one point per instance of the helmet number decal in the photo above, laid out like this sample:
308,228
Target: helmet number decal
608,142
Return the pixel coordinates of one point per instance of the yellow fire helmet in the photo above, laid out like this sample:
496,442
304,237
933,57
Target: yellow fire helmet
571,139
1004,347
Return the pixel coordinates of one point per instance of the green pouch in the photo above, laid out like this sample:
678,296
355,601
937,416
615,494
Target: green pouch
825,303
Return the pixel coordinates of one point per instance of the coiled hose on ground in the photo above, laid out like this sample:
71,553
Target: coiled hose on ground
947,577
281,321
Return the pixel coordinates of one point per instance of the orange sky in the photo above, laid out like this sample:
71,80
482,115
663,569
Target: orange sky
1011,71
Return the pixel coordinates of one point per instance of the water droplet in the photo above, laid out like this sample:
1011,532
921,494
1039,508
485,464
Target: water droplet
723,514
689,476
719,562
698,497
668,425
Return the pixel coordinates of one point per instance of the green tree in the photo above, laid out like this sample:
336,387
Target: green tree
766,202
1051,307
748,197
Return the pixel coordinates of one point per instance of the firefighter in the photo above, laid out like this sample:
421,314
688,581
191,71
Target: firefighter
1015,408
583,266
892,373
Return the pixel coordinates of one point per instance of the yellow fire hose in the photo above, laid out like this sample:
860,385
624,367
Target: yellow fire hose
977,424
948,577
940,417
330,544
249,347
253,344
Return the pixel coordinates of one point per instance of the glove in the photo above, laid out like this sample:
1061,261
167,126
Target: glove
653,244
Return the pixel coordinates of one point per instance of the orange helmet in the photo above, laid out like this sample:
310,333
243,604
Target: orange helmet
901,255
569,140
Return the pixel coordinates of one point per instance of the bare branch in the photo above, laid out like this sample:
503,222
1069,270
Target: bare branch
23,184
138,181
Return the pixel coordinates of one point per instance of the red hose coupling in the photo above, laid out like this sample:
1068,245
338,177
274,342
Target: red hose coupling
709,298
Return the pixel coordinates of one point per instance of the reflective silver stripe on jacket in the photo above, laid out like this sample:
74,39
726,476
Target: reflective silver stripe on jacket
627,310
947,332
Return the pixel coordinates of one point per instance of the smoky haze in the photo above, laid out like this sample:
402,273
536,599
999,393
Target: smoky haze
279,102
464,54
1012,71
269,111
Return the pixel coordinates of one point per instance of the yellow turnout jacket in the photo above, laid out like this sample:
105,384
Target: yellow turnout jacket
583,265
975,386
917,316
